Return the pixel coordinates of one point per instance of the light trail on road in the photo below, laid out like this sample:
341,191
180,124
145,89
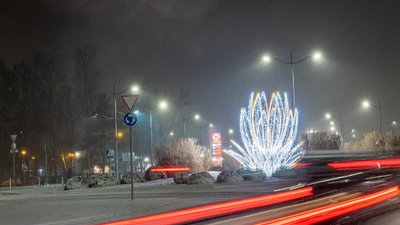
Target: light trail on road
217,209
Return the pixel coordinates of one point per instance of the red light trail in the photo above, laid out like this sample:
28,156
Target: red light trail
366,164
173,169
331,211
217,209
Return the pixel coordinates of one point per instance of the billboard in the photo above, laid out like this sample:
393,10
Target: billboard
216,149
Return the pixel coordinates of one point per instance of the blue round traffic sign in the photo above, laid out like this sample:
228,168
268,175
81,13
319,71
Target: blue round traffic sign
130,118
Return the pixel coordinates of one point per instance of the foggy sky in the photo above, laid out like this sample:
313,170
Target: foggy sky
213,50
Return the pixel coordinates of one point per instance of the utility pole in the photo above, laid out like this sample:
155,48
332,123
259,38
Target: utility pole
116,157
45,163
151,139
184,125
380,116
293,91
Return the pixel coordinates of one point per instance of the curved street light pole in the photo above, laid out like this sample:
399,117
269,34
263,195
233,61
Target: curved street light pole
292,63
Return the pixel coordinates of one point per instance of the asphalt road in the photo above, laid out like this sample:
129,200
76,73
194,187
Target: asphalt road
52,205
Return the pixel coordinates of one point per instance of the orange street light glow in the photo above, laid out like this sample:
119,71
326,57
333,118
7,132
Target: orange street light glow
218,209
324,213
120,134
23,152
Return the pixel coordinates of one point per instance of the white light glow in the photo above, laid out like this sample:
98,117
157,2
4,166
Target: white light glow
135,89
328,116
366,104
268,131
266,58
317,56
163,104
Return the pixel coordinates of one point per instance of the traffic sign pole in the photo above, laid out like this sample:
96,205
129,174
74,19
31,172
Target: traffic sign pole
130,120
131,160
13,150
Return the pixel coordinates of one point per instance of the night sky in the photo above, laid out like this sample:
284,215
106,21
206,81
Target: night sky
213,49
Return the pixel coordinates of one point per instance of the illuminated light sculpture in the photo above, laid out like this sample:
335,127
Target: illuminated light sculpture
268,131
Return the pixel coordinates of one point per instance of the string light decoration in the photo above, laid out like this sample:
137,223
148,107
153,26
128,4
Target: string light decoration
268,131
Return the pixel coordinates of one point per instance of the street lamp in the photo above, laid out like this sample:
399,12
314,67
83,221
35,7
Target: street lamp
366,105
195,117
230,131
163,104
316,56
329,116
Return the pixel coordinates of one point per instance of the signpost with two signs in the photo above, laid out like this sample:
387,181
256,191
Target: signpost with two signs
130,119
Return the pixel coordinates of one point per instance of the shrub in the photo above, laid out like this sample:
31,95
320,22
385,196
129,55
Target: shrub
321,141
184,152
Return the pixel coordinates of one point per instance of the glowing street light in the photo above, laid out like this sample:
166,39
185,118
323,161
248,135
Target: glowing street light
316,56
24,152
197,117
171,133
230,131
328,116
211,125
120,134
266,59
366,105
77,155
339,120
163,104
332,128
394,123
135,89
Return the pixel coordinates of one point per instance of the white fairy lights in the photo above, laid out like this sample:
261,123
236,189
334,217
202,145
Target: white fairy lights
268,131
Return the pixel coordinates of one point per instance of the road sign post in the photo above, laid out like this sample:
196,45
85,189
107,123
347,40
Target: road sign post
13,150
130,119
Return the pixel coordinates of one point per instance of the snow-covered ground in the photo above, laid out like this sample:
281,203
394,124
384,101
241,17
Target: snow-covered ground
52,205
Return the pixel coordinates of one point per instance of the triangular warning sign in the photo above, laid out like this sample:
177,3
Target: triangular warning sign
13,137
130,101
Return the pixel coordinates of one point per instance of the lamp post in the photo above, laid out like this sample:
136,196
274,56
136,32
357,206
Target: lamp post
366,104
316,56
162,105
196,117
339,118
